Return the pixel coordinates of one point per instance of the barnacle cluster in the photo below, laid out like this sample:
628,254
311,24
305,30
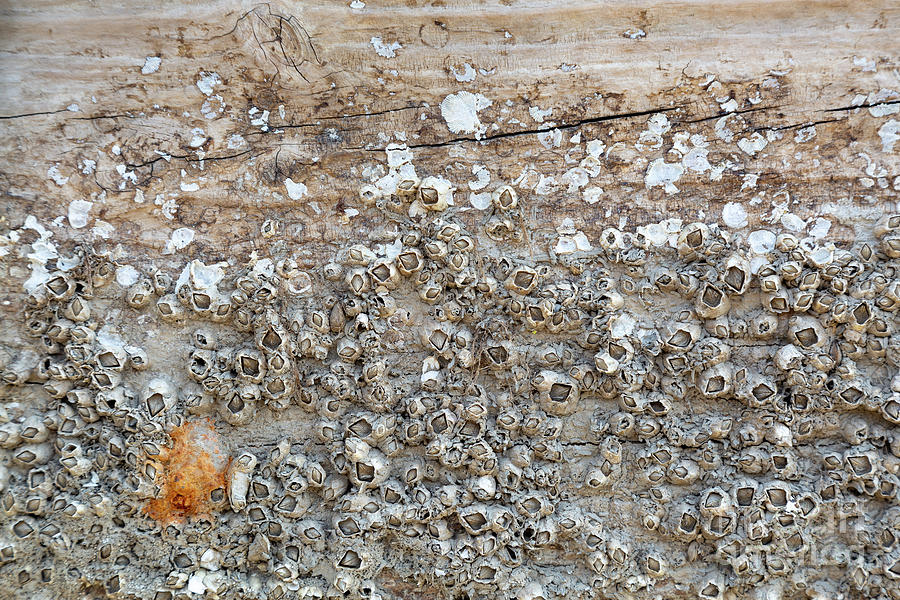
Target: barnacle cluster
675,417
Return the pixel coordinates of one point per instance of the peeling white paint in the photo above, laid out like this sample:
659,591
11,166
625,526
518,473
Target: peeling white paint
126,275
383,49
295,190
208,82
460,112
661,173
151,65
592,195
480,201
761,241
890,134
734,215
78,213
179,239
467,75
482,178
753,144
57,177
538,114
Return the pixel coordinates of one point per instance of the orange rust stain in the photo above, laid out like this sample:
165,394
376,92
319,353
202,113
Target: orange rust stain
188,474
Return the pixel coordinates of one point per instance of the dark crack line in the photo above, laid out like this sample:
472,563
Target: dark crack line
512,134
886,103
317,123
187,158
97,117
735,112
797,125
34,114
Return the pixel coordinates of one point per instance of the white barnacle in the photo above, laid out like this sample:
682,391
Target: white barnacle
238,475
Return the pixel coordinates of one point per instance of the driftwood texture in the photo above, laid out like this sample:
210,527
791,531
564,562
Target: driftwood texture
333,103
180,123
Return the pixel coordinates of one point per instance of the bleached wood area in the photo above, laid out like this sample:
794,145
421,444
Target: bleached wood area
74,91
155,134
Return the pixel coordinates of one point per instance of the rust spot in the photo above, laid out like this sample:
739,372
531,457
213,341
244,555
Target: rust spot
189,473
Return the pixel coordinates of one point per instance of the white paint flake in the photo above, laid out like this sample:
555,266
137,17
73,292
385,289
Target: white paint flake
78,213
73,107
539,114
820,228
792,222
102,229
295,190
126,275
398,155
189,187
236,141
576,178
734,215
385,50
57,177
805,134
890,134
357,5
661,173
482,178
460,111
550,139
207,82
88,166
749,181
592,194
761,241
480,201
180,238
753,144
198,137
151,65
467,75
867,64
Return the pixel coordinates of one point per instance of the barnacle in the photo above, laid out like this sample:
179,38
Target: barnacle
476,420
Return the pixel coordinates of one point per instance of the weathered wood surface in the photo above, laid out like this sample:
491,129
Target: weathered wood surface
333,103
